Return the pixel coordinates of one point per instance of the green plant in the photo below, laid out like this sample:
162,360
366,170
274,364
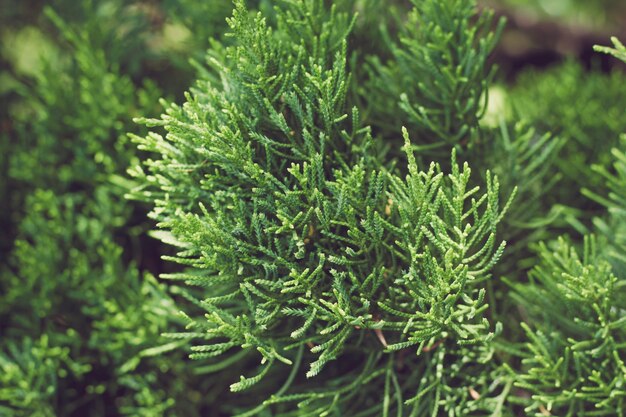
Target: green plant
574,314
574,364
80,321
437,79
590,122
325,248
307,243
312,247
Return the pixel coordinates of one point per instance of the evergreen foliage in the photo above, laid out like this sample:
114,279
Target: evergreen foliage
326,249
589,122
304,242
80,323
612,227
619,50
575,346
436,82
573,359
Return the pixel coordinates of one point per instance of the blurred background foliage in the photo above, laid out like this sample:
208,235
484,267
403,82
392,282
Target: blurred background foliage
81,314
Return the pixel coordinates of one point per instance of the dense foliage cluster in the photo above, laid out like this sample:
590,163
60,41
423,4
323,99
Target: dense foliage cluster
352,218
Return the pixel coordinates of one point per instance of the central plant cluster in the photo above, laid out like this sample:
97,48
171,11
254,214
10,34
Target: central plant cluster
304,239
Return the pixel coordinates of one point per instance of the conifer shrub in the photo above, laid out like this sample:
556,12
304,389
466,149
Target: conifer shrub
354,218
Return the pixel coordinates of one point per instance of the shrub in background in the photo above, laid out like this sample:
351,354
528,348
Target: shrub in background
80,322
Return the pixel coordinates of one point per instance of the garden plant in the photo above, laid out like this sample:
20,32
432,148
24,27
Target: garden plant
306,208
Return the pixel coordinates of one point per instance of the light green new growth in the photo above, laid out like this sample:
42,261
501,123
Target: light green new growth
618,50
